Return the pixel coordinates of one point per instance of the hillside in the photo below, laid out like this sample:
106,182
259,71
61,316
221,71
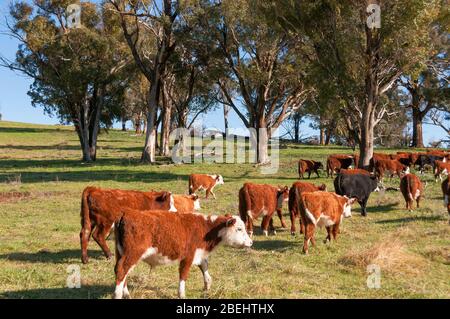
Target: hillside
41,180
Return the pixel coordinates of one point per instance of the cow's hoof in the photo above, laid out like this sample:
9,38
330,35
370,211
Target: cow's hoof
293,233
84,260
266,233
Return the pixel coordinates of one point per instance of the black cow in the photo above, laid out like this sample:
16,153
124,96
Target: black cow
427,159
356,186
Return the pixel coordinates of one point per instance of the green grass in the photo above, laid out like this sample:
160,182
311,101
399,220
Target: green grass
39,231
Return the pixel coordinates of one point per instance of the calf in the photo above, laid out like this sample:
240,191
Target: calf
186,203
355,171
308,166
445,186
101,208
296,189
261,199
338,161
412,189
322,209
204,181
356,186
388,165
441,167
161,238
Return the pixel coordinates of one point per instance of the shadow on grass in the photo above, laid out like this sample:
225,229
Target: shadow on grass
32,130
84,292
410,219
275,244
92,176
55,257
381,208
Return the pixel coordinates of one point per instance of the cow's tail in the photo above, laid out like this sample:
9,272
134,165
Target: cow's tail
409,188
245,205
86,224
119,237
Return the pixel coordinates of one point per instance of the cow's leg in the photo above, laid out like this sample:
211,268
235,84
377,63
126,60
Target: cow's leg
85,234
302,223
185,266
418,201
280,216
328,238
335,231
317,172
363,204
309,174
309,232
271,227
265,224
99,235
292,216
124,266
206,277
250,226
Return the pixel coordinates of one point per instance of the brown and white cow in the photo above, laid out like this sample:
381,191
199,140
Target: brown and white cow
392,166
161,238
262,199
186,203
355,171
337,162
308,166
101,208
294,211
445,186
323,209
441,167
412,190
204,181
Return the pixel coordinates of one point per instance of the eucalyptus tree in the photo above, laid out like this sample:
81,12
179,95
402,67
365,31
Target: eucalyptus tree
76,69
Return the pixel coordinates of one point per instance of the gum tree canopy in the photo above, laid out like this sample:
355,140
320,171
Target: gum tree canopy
76,68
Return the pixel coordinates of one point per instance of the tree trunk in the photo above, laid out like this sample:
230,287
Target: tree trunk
124,125
417,140
328,133
366,143
149,152
322,135
226,110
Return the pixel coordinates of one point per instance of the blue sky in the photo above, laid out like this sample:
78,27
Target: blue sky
15,104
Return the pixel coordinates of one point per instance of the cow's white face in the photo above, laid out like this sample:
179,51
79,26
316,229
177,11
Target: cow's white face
347,212
197,204
235,234
219,180
406,170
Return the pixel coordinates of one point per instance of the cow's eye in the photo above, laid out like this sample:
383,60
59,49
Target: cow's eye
239,229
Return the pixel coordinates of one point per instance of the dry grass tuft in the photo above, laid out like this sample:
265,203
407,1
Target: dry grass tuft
390,255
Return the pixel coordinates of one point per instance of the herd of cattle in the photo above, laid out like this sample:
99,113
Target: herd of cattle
161,228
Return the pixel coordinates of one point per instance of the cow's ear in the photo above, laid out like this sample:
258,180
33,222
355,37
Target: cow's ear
230,222
164,196
350,201
194,196
286,188
323,187
217,177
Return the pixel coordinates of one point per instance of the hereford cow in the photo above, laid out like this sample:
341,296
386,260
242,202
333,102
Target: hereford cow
308,166
261,199
294,212
101,208
323,209
412,190
161,238
204,181
391,166
445,186
186,203
338,161
441,167
356,186
404,158
355,171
